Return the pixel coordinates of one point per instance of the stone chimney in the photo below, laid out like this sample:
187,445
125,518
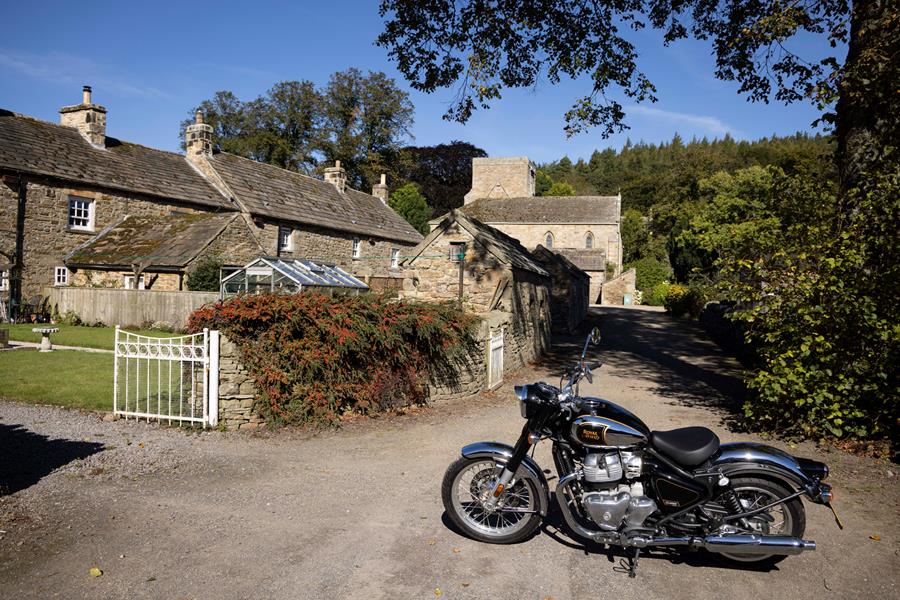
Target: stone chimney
336,176
198,138
88,118
380,190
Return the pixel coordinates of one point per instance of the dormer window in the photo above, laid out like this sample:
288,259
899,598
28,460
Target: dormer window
357,248
81,213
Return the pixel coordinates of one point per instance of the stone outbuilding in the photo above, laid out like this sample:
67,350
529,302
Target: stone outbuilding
493,276
569,290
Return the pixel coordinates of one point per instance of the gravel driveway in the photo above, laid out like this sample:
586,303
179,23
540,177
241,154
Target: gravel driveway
356,513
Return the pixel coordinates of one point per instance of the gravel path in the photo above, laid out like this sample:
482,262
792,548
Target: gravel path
169,513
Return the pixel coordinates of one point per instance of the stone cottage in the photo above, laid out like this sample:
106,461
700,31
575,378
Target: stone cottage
494,276
79,207
568,292
583,228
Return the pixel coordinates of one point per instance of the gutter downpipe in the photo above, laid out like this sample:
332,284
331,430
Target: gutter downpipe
15,280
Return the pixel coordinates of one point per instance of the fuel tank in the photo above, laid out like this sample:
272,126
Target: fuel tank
602,424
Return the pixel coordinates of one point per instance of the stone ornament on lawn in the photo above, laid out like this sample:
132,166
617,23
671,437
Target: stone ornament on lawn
45,332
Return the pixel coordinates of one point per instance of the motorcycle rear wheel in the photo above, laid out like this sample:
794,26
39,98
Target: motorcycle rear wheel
788,518
467,483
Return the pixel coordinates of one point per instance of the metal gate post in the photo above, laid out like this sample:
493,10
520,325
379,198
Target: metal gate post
213,381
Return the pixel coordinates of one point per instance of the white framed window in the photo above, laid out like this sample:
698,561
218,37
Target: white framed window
285,239
548,240
589,240
357,248
395,258
128,282
81,213
4,280
60,276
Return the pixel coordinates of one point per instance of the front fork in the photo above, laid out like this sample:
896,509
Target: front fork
520,451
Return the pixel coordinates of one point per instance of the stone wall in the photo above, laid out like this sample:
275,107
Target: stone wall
530,235
501,178
48,238
237,390
332,246
166,282
614,290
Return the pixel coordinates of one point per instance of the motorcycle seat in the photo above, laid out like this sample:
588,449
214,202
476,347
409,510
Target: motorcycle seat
688,446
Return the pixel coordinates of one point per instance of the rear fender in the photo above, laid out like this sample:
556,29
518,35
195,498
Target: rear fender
746,458
529,469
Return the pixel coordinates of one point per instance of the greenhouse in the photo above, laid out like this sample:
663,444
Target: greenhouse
269,275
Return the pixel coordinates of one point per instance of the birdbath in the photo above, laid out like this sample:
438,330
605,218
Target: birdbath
45,332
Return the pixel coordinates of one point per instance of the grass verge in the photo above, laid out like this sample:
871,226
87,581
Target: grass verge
62,377
72,335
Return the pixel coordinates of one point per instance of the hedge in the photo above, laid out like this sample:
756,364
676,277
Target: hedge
315,357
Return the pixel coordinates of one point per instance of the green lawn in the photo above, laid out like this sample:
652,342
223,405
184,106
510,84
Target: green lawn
70,335
63,377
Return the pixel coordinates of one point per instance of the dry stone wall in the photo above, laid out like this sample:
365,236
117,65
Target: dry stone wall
237,390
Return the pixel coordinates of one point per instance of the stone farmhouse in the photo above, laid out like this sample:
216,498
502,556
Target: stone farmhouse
79,207
585,229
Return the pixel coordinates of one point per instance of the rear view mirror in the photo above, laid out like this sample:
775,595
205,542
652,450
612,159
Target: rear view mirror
595,335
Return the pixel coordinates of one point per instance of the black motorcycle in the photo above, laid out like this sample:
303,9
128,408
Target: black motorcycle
624,485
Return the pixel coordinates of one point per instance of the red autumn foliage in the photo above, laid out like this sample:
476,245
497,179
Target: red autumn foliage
315,357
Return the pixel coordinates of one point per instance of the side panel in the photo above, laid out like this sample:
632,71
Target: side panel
529,468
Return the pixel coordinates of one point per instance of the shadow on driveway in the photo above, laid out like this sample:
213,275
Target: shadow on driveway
27,457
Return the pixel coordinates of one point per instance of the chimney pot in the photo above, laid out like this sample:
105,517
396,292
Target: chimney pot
86,94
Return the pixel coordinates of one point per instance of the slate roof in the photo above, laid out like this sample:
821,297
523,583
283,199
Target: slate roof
547,257
162,242
42,148
277,193
507,249
546,209
584,259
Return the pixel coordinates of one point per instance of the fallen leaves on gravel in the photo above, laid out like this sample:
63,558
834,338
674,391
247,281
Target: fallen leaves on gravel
95,572
875,537
437,592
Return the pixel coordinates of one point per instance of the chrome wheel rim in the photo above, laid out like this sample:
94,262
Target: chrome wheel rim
775,521
514,507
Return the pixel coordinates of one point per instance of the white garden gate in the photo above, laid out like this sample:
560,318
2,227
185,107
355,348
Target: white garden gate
168,379
495,359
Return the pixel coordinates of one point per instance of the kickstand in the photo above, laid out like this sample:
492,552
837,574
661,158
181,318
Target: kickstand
633,563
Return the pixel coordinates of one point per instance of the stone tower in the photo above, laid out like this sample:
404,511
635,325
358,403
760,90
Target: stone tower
511,177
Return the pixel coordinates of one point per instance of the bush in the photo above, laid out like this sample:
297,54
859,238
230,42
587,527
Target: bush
205,275
688,300
314,357
656,296
69,318
650,272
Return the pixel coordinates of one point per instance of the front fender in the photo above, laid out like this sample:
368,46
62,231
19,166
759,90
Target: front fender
529,469
748,458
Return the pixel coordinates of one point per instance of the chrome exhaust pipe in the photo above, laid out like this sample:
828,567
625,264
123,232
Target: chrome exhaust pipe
753,545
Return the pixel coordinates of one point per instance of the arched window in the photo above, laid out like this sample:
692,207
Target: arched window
589,240
548,240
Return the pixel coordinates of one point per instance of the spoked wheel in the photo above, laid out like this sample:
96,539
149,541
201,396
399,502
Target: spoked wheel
788,518
468,484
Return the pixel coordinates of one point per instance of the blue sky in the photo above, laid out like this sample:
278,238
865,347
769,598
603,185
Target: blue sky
149,63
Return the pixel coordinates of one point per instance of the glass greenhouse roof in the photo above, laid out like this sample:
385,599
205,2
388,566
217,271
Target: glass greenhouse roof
288,275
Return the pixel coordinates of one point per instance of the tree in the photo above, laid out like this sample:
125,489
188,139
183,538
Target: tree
443,172
560,188
204,277
410,204
483,51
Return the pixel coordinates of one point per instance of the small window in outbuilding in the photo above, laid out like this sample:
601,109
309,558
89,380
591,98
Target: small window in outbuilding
589,240
4,280
60,276
457,251
357,248
395,258
548,240
128,283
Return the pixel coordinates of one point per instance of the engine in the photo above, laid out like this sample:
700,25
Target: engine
615,496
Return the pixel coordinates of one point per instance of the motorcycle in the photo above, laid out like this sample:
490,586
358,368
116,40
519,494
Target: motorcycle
624,485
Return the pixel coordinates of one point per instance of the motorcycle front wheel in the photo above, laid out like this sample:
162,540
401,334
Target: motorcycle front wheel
468,483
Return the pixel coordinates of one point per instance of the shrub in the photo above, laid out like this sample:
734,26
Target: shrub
314,357
69,318
163,326
650,272
205,275
683,300
657,295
